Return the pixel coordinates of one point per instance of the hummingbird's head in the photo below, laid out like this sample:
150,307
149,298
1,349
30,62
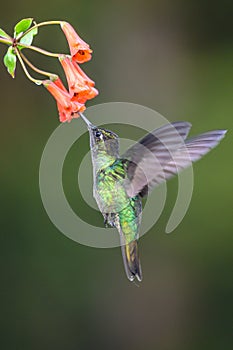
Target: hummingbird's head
102,139
102,135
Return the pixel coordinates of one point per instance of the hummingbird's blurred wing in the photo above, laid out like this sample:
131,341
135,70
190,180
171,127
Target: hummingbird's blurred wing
164,161
194,149
145,159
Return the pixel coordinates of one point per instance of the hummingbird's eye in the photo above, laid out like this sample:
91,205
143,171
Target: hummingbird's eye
98,134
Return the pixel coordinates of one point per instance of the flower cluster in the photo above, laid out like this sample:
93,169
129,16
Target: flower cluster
81,87
71,101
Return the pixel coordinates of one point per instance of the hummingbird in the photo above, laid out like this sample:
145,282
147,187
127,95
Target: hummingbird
121,181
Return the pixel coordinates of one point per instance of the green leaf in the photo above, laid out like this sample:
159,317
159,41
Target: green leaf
4,34
10,61
22,26
28,38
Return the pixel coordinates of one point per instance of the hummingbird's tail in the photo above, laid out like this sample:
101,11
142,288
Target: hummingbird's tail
131,260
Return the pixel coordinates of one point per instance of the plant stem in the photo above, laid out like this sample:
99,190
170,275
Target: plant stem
39,25
48,74
37,49
6,41
37,82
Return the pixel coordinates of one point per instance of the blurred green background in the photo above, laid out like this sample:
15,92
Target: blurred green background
172,56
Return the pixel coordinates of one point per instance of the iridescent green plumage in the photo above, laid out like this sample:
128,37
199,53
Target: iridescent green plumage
121,182
119,210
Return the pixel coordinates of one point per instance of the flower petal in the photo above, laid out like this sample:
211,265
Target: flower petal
79,49
67,108
83,96
65,115
81,87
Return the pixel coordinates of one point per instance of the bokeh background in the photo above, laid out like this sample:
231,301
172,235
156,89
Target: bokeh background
172,56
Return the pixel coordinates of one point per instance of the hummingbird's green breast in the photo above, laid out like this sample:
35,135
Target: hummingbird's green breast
112,198
110,192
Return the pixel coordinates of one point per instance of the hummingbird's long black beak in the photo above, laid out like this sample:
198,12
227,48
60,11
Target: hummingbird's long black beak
89,125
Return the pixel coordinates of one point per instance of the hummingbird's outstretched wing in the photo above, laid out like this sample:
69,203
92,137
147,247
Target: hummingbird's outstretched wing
145,159
194,149
164,158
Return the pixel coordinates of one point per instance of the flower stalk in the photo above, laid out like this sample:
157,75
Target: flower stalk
42,72
6,41
39,50
36,81
37,25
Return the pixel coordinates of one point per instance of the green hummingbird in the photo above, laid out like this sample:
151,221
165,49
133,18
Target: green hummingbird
120,182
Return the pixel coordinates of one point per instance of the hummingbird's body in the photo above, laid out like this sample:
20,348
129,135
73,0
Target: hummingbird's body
118,209
121,182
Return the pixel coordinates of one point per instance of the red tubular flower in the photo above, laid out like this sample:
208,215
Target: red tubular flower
66,115
86,79
79,49
67,109
80,86
59,84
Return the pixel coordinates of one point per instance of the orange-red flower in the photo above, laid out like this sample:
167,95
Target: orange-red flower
81,87
79,49
66,115
67,109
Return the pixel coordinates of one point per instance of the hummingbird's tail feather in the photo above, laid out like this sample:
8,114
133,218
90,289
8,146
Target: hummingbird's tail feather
131,260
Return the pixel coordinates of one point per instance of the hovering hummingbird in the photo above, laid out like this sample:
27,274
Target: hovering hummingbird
120,182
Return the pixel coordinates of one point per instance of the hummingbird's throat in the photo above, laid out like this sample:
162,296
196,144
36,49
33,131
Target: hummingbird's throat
100,157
